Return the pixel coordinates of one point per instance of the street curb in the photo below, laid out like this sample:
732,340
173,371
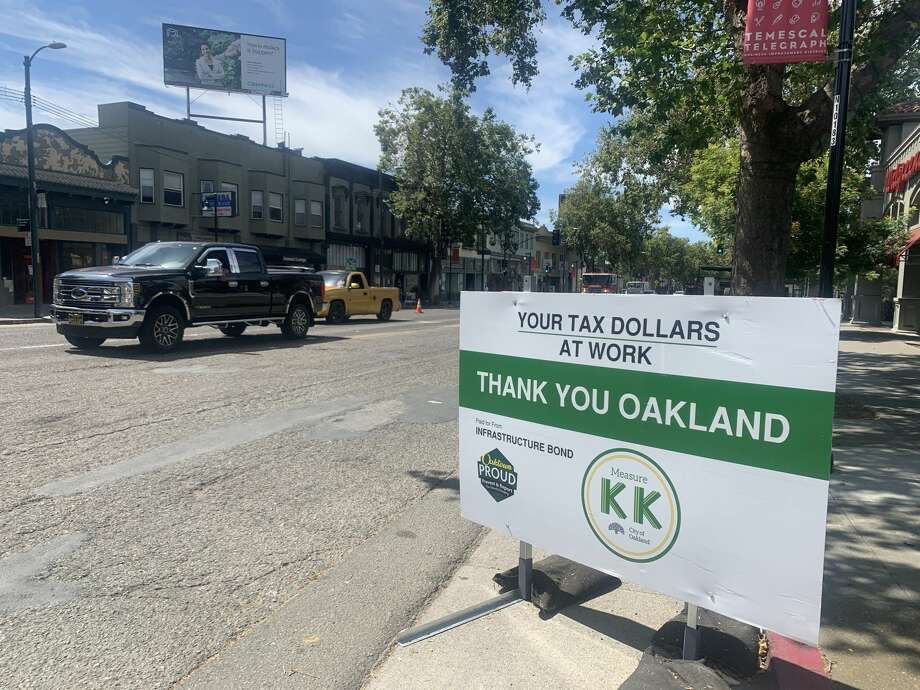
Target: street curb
18,322
796,666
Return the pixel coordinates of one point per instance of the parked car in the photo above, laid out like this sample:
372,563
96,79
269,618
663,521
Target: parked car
161,289
349,294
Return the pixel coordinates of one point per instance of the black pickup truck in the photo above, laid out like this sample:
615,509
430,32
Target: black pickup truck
161,289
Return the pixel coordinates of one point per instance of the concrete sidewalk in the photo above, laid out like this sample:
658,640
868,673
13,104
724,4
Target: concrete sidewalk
21,313
872,573
596,645
870,631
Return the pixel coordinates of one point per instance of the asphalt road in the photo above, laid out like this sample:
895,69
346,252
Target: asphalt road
161,515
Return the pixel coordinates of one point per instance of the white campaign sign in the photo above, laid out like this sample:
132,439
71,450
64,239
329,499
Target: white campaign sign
682,443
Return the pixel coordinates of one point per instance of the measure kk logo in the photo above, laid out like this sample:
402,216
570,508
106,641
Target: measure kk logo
631,505
497,475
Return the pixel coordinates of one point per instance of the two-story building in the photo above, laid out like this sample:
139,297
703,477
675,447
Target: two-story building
897,179
320,212
84,210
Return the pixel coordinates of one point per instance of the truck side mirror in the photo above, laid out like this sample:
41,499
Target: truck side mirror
355,286
213,268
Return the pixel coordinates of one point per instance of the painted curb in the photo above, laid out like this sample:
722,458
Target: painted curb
796,666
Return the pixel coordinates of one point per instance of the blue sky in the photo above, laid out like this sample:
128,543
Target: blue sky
346,60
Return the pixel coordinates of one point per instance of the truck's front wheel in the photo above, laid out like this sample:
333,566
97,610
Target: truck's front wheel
337,313
162,330
297,323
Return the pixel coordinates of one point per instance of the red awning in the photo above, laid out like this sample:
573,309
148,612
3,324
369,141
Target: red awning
914,239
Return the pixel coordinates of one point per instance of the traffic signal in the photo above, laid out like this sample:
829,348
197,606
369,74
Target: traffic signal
720,250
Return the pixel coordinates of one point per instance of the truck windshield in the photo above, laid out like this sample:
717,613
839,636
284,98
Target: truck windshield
596,279
162,255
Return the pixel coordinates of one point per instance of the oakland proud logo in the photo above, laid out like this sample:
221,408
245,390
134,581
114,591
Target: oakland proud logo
631,505
497,475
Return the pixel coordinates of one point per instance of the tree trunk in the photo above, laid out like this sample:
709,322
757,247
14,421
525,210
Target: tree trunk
766,188
434,278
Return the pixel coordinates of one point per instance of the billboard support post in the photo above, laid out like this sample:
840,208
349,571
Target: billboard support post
188,104
454,620
264,123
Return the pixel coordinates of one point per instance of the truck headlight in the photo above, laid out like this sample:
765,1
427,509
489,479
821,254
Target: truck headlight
56,293
128,291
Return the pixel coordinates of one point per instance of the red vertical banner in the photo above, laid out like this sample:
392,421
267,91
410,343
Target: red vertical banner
778,31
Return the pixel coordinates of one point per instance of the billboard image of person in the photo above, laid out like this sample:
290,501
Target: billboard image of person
223,60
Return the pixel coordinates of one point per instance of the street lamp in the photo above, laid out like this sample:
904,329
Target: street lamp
33,202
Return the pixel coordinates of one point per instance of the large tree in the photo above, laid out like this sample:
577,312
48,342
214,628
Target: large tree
458,176
606,223
707,195
675,68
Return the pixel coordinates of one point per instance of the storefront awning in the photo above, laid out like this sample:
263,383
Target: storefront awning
914,239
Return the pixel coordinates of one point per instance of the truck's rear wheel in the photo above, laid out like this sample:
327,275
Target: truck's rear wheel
297,323
233,329
84,343
386,311
162,330
337,312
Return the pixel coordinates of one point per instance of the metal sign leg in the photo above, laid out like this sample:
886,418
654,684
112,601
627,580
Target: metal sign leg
691,634
453,620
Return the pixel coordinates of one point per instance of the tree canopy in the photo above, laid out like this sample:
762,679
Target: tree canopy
674,71
458,176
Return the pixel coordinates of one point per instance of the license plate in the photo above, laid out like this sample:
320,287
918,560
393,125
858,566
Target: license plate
75,319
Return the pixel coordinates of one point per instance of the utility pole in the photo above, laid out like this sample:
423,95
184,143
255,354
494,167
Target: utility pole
33,192
838,141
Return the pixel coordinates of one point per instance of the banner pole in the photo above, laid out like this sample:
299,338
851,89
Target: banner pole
691,649
525,571
453,620
838,142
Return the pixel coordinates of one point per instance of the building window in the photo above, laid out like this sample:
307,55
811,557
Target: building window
300,211
207,186
256,209
229,187
148,193
339,218
361,216
89,220
316,214
173,188
275,208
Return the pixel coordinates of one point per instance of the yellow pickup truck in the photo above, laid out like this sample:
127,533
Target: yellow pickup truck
348,294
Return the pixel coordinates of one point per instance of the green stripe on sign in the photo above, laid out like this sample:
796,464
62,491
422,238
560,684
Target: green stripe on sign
729,435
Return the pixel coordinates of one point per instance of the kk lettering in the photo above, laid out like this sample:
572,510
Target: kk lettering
642,503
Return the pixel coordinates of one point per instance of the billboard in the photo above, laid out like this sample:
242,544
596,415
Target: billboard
224,61
782,31
650,437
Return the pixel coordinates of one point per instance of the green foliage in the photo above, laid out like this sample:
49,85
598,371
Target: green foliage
674,262
458,176
707,197
672,73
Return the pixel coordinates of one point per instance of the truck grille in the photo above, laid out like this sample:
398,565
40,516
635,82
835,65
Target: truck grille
87,295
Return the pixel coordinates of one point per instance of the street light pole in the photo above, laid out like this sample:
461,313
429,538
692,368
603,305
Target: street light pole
838,141
33,195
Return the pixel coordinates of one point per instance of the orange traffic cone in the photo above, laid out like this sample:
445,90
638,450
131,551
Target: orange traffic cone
418,306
